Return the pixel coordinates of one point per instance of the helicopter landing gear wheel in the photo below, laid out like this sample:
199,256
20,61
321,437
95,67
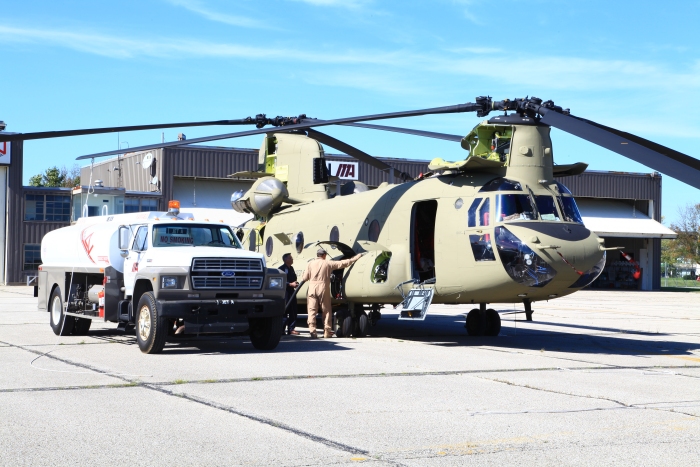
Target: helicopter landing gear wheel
343,324
474,323
359,325
493,323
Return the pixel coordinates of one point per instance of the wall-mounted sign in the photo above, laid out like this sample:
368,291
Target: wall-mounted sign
343,170
5,152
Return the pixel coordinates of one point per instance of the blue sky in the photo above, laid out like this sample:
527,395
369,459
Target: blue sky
76,64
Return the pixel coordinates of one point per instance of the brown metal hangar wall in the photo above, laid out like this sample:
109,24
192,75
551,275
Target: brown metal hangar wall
204,161
620,185
15,214
134,176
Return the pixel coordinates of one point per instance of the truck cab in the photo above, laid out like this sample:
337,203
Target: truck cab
162,273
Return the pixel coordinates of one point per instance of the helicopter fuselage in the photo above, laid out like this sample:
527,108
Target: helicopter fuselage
473,237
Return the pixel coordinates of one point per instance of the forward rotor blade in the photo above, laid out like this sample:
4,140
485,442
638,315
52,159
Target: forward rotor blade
660,158
354,152
408,131
307,123
115,129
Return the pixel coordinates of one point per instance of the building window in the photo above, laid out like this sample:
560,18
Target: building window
49,208
140,204
32,257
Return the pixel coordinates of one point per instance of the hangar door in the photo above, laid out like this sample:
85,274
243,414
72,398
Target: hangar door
206,192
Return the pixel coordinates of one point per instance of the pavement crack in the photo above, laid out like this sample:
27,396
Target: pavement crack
260,419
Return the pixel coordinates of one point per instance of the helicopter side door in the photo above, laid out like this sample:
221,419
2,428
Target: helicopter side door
423,216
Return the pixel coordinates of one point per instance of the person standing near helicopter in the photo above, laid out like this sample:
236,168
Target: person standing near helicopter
290,317
318,274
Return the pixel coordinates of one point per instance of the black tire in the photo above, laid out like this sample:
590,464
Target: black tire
265,333
359,328
493,322
344,325
61,324
81,327
151,330
474,325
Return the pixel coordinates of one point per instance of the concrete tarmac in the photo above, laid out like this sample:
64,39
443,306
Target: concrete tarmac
598,378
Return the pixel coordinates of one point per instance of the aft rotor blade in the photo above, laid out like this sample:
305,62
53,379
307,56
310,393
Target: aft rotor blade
660,158
408,131
307,123
354,152
115,129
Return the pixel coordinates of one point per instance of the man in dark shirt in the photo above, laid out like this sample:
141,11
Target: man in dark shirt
290,320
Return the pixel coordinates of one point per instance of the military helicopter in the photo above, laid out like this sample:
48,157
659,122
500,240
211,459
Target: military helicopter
492,228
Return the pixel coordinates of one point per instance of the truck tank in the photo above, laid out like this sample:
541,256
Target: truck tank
86,245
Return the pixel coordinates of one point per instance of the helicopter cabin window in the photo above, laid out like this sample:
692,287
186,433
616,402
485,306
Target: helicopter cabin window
299,242
335,234
501,184
547,208
253,240
373,231
514,207
423,235
269,246
569,210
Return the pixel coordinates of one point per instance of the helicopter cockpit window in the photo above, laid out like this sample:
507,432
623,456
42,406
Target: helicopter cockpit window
502,184
562,188
471,214
547,208
485,212
513,207
569,210
482,248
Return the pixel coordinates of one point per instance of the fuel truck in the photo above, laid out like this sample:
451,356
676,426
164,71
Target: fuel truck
162,273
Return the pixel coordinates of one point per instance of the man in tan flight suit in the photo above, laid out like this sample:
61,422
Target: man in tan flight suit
318,274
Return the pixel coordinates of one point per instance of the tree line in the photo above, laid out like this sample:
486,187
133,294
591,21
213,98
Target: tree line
57,177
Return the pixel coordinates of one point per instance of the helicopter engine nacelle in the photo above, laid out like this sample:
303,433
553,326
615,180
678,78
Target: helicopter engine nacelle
265,195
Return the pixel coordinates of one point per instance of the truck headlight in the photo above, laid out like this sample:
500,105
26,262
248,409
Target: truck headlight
275,283
168,282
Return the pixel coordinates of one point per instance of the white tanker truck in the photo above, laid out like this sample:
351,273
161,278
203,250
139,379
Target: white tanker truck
162,272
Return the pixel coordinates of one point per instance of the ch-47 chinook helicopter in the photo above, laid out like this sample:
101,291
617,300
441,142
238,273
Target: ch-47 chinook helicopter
492,228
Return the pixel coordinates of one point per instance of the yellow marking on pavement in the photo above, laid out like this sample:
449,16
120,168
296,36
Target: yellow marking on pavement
358,459
692,359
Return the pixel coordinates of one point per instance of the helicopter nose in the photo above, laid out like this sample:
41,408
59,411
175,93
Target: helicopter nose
570,255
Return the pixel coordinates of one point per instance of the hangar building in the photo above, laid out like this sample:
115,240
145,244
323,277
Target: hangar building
624,208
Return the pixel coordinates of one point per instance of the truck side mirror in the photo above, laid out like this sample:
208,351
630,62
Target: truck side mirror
124,238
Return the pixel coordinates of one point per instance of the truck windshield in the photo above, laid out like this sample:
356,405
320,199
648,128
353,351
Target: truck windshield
182,234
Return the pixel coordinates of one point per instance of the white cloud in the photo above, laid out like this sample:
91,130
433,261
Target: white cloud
503,69
234,20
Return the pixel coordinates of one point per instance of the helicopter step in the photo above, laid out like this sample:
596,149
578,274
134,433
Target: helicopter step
483,322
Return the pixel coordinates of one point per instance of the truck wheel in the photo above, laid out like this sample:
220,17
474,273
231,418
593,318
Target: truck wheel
81,327
61,324
151,330
359,328
265,333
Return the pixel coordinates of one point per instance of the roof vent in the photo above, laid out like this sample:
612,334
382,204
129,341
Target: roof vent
99,184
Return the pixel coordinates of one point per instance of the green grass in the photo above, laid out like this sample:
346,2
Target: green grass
677,282
180,381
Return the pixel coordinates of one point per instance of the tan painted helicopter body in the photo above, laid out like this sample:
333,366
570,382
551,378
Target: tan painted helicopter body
430,222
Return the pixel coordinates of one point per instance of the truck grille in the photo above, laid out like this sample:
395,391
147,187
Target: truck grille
227,273
230,264
211,282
